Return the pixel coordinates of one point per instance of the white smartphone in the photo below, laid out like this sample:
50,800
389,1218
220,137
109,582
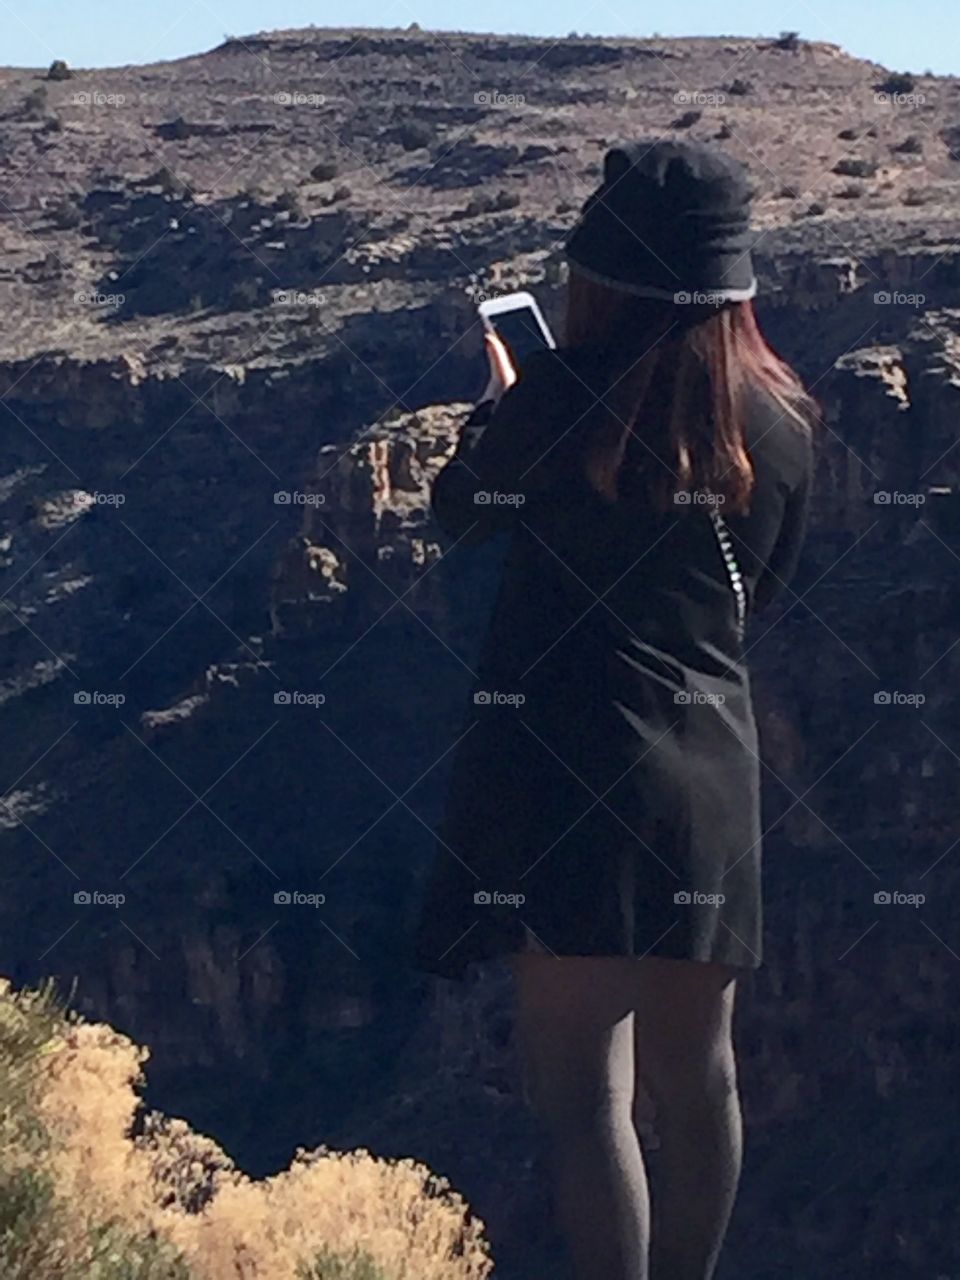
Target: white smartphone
519,322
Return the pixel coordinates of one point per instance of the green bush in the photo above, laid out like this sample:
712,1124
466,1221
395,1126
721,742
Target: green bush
413,135
331,1266
59,70
899,82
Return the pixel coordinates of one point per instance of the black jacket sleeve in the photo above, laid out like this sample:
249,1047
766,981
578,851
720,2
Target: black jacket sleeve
781,564
498,462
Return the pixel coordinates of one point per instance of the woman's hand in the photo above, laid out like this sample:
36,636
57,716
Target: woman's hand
502,373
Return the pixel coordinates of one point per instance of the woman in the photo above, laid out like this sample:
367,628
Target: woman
603,823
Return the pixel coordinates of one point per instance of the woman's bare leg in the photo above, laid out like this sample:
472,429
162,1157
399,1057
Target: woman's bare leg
684,1057
575,1036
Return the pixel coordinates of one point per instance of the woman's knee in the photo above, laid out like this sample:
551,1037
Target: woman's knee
567,1100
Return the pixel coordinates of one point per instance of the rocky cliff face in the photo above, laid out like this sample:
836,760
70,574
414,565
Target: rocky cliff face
234,655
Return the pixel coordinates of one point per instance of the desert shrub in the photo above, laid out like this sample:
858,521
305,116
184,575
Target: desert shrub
740,88
491,202
331,1266
899,82
65,215
81,1198
911,146
414,134
815,209
848,135
686,120
852,167
724,132
59,70
35,103
789,193
288,201
850,192
915,196
789,41
323,171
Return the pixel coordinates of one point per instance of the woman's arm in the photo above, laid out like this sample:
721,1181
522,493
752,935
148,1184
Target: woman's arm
483,488
782,562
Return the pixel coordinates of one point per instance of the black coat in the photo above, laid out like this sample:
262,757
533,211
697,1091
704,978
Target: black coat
608,768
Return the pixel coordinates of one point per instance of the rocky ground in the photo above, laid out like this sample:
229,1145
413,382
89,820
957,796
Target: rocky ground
248,277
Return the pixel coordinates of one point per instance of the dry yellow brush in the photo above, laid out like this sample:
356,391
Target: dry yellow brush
83,1198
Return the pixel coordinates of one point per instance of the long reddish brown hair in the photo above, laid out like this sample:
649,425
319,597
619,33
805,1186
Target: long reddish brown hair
680,392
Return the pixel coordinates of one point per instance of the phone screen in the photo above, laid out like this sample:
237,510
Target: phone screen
521,331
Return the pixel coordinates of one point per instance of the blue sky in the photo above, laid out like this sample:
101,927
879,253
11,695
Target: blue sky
915,36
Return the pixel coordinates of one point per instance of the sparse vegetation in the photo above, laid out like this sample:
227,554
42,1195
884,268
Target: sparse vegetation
81,1198
853,167
740,88
916,196
789,41
328,1266
724,132
899,82
912,145
848,135
59,70
35,103
414,134
66,215
850,192
323,171
492,203
686,120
